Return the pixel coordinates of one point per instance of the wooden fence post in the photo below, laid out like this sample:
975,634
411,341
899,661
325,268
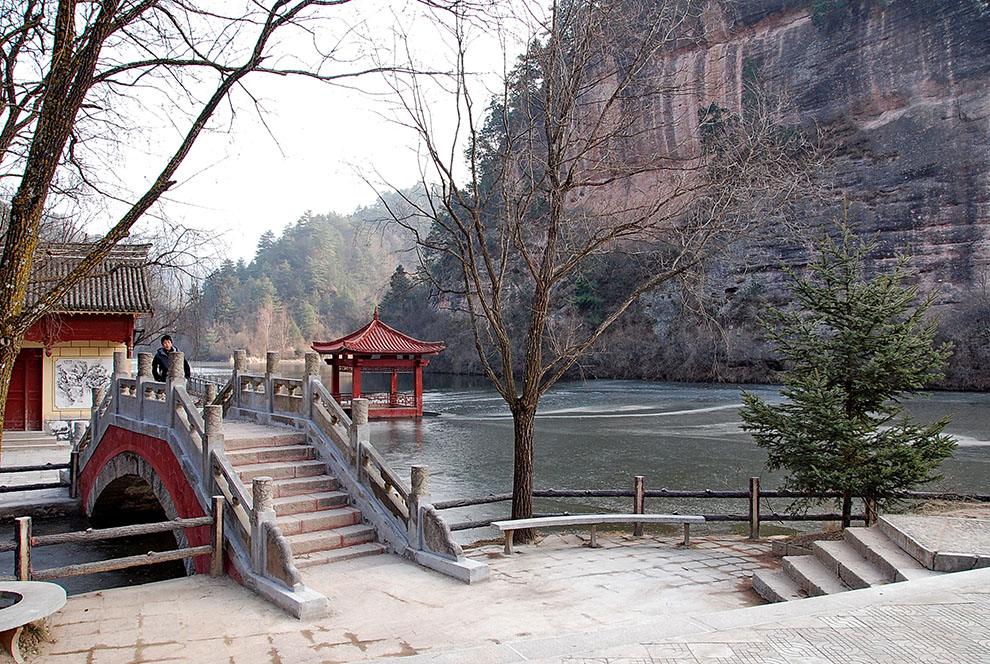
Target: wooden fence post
754,508
22,555
74,474
639,500
216,558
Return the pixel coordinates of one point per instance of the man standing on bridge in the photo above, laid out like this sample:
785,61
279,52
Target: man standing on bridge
159,366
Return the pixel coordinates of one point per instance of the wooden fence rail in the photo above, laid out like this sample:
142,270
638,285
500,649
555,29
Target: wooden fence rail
754,515
24,542
36,486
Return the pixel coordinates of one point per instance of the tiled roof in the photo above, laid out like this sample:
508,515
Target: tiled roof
377,338
118,286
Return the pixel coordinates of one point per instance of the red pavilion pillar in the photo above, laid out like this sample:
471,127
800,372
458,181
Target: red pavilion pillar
418,372
393,389
355,381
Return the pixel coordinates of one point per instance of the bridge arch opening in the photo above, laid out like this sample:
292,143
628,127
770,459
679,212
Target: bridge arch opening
128,491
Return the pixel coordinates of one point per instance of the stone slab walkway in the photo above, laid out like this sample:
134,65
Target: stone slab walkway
384,606
631,601
943,543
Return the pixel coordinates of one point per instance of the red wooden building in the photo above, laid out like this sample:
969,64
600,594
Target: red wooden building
380,349
70,351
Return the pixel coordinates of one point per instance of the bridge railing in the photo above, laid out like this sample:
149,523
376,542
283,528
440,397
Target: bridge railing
308,398
166,410
401,515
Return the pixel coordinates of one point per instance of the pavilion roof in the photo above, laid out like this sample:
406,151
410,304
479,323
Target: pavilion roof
379,339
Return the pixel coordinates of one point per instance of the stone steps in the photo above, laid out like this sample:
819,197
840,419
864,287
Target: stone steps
271,454
774,585
864,558
310,502
812,575
311,512
845,562
879,549
297,486
278,470
331,539
311,522
315,558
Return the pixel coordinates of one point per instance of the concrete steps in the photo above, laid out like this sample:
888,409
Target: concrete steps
864,558
311,512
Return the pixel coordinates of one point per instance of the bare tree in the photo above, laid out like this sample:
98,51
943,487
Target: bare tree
600,142
75,76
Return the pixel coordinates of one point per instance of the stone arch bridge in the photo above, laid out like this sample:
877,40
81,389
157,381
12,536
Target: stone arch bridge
302,485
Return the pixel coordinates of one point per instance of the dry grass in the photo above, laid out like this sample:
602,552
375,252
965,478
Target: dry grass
952,508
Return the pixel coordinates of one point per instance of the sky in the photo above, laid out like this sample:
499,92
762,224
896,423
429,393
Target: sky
312,150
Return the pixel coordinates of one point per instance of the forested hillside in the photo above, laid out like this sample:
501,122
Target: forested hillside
319,279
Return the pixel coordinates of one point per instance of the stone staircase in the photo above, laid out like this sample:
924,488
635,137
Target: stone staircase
863,558
311,511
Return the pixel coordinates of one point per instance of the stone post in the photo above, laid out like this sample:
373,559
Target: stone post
211,394
78,431
418,494
176,368
359,429
271,371
121,369
213,423
98,395
263,510
144,365
176,377
144,374
271,363
121,365
240,366
311,374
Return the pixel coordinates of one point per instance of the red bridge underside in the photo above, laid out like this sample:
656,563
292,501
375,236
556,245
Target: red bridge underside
159,455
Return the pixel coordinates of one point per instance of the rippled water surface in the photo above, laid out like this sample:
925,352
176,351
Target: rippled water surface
599,434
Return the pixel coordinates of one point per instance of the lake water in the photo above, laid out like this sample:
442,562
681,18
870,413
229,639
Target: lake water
599,434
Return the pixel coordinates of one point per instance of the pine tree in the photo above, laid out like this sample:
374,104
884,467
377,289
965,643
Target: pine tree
855,347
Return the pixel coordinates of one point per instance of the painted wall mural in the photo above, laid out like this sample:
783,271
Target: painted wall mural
75,379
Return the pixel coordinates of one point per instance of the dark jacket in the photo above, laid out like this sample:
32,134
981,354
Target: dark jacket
159,365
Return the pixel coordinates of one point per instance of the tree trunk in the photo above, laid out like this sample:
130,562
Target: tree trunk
846,508
8,355
872,508
524,426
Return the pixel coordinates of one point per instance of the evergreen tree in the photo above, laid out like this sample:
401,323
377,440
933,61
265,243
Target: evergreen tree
855,347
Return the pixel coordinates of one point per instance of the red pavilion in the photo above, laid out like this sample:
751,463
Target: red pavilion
378,348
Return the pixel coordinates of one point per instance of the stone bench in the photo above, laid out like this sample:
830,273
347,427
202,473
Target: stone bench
33,601
511,525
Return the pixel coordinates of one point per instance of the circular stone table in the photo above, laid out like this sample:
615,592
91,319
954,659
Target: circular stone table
33,600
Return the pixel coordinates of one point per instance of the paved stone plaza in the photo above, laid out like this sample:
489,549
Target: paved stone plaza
630,601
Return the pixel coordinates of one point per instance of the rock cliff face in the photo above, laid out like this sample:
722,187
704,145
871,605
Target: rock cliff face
902,91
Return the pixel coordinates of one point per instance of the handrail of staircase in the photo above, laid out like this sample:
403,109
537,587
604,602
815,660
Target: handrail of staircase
225,395
389,489
232,491
331,418
371,467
